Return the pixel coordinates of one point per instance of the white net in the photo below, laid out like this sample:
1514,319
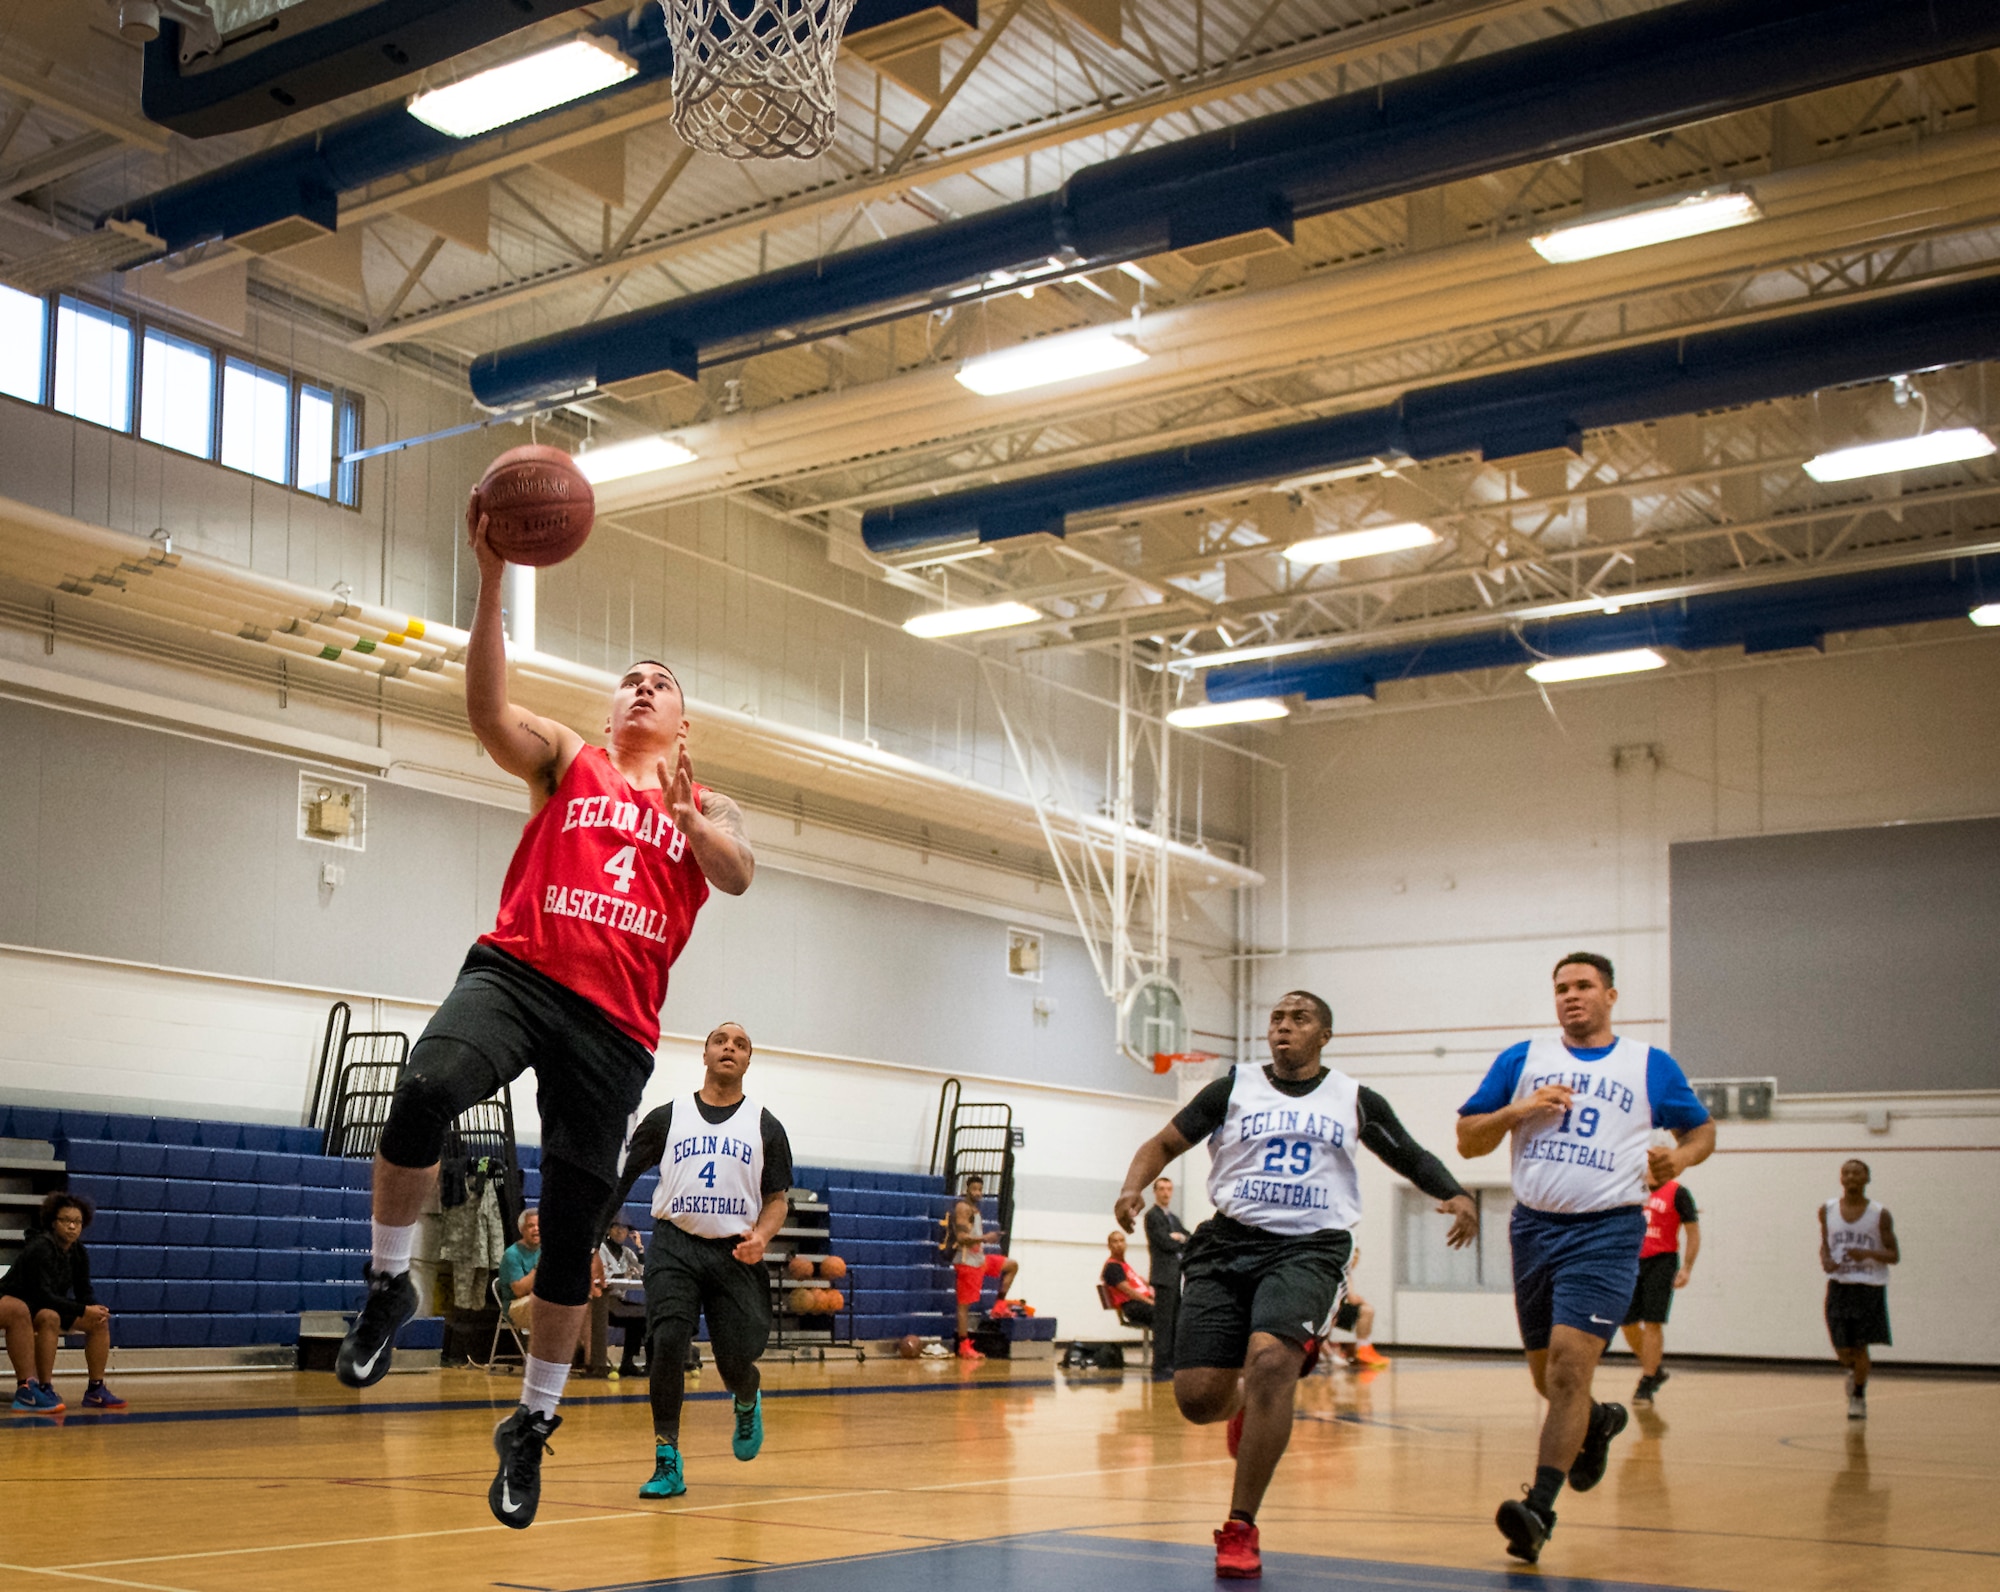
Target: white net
754,79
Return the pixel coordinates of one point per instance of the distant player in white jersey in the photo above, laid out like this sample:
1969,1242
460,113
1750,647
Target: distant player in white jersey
1261,1280
725,1185
1581,1109
1857,1246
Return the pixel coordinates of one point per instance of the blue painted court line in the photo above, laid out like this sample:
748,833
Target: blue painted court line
281,1412
1059,1561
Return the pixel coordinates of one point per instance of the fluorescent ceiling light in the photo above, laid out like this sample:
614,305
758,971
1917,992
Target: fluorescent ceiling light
964,621
1364,543
1905,453
1985,614
1050,360
1244,712
1344,472
1639,659
520,89
641,454
1689,217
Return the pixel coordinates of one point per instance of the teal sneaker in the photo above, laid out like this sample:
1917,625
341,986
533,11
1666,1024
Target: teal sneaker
749,1434
666,1480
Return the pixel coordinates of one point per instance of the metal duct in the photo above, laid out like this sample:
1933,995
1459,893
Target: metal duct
1525,411
1767,619
1595,86
305,178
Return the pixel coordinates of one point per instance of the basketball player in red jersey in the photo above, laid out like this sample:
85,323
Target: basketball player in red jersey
619,851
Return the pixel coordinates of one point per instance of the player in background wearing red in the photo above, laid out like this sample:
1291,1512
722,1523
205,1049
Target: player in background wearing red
1670,1211
619,851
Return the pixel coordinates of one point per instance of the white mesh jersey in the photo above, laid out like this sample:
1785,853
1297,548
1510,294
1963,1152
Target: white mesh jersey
1864,1232
1285,1163
712,1173
1592,1157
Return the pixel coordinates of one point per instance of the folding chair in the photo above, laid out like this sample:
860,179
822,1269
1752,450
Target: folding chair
1145,1332
504,1322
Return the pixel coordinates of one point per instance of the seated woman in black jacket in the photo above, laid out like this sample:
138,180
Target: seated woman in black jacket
45,1293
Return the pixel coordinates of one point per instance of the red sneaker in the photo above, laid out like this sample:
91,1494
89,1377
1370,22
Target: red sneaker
1236,1555
1232,1434
1001,1310
967,1352
1368,1354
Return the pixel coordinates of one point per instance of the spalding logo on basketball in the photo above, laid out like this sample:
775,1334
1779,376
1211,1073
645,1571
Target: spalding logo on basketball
537,504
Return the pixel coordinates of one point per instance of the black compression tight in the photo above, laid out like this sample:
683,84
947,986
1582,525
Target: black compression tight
666,1359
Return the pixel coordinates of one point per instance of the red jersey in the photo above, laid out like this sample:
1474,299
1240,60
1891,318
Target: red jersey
1666,1208
602,893
1125,1283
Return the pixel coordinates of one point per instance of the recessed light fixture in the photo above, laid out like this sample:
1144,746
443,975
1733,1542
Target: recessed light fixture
1051,360
1364,543
1553,670
1985,614
967,621
618,460
1903,453
1247,711
535,83
1709,211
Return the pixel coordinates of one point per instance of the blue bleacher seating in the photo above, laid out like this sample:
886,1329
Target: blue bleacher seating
174,1130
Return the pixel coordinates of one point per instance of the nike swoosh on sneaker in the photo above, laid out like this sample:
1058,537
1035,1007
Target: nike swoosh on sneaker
369,1364
507,1500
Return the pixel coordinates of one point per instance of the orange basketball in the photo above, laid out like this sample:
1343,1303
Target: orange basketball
833,1267
910,1347
807,1302
798,1268
537,504
831,1300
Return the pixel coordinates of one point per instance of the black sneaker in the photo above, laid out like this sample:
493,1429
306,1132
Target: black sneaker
1606,1422
1525,1527
517,1486
367,1352
1642,1395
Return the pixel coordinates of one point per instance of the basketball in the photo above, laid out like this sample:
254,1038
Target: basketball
833,1267
537,504
798,1268
909,1347
831,1300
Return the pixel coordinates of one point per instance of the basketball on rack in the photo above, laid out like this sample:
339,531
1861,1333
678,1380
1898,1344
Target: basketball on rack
798,1268
833,1268
537,504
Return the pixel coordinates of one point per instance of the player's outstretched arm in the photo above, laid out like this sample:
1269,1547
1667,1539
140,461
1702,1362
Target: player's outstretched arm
531,748
1385,1135
1153,1158
714,826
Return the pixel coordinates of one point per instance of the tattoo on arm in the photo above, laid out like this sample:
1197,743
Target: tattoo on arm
720,811
546,771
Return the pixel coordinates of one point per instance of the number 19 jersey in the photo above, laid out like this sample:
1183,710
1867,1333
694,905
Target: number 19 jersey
602,894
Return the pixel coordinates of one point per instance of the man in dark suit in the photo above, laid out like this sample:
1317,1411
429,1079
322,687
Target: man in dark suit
1166,1237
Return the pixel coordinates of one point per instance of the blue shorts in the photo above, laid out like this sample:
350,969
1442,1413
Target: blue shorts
1575,1269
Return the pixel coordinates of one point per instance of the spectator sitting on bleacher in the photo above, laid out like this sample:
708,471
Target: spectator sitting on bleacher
45,1293
1131,1294
517,1271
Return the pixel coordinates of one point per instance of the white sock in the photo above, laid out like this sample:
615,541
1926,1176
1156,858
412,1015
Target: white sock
393,1247
542,1384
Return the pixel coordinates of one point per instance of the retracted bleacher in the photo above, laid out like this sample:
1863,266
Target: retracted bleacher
213,1234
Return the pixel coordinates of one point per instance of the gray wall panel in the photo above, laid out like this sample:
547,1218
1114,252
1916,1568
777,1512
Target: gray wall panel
222,816
20,822
1855,959
102,818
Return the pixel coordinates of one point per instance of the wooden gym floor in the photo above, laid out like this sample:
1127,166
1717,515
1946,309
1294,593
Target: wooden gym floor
902,1477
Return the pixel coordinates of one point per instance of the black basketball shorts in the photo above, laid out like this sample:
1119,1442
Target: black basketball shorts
1857,1314
689,1277
1237,1279
1653,1299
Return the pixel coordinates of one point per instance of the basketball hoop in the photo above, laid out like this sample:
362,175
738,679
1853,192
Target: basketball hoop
1163,1059
753,79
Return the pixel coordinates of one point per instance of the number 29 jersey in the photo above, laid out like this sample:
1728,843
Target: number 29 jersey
602,894
1285,1163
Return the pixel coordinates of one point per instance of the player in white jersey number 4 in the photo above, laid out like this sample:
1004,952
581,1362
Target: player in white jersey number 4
1262,1279
1581,1109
